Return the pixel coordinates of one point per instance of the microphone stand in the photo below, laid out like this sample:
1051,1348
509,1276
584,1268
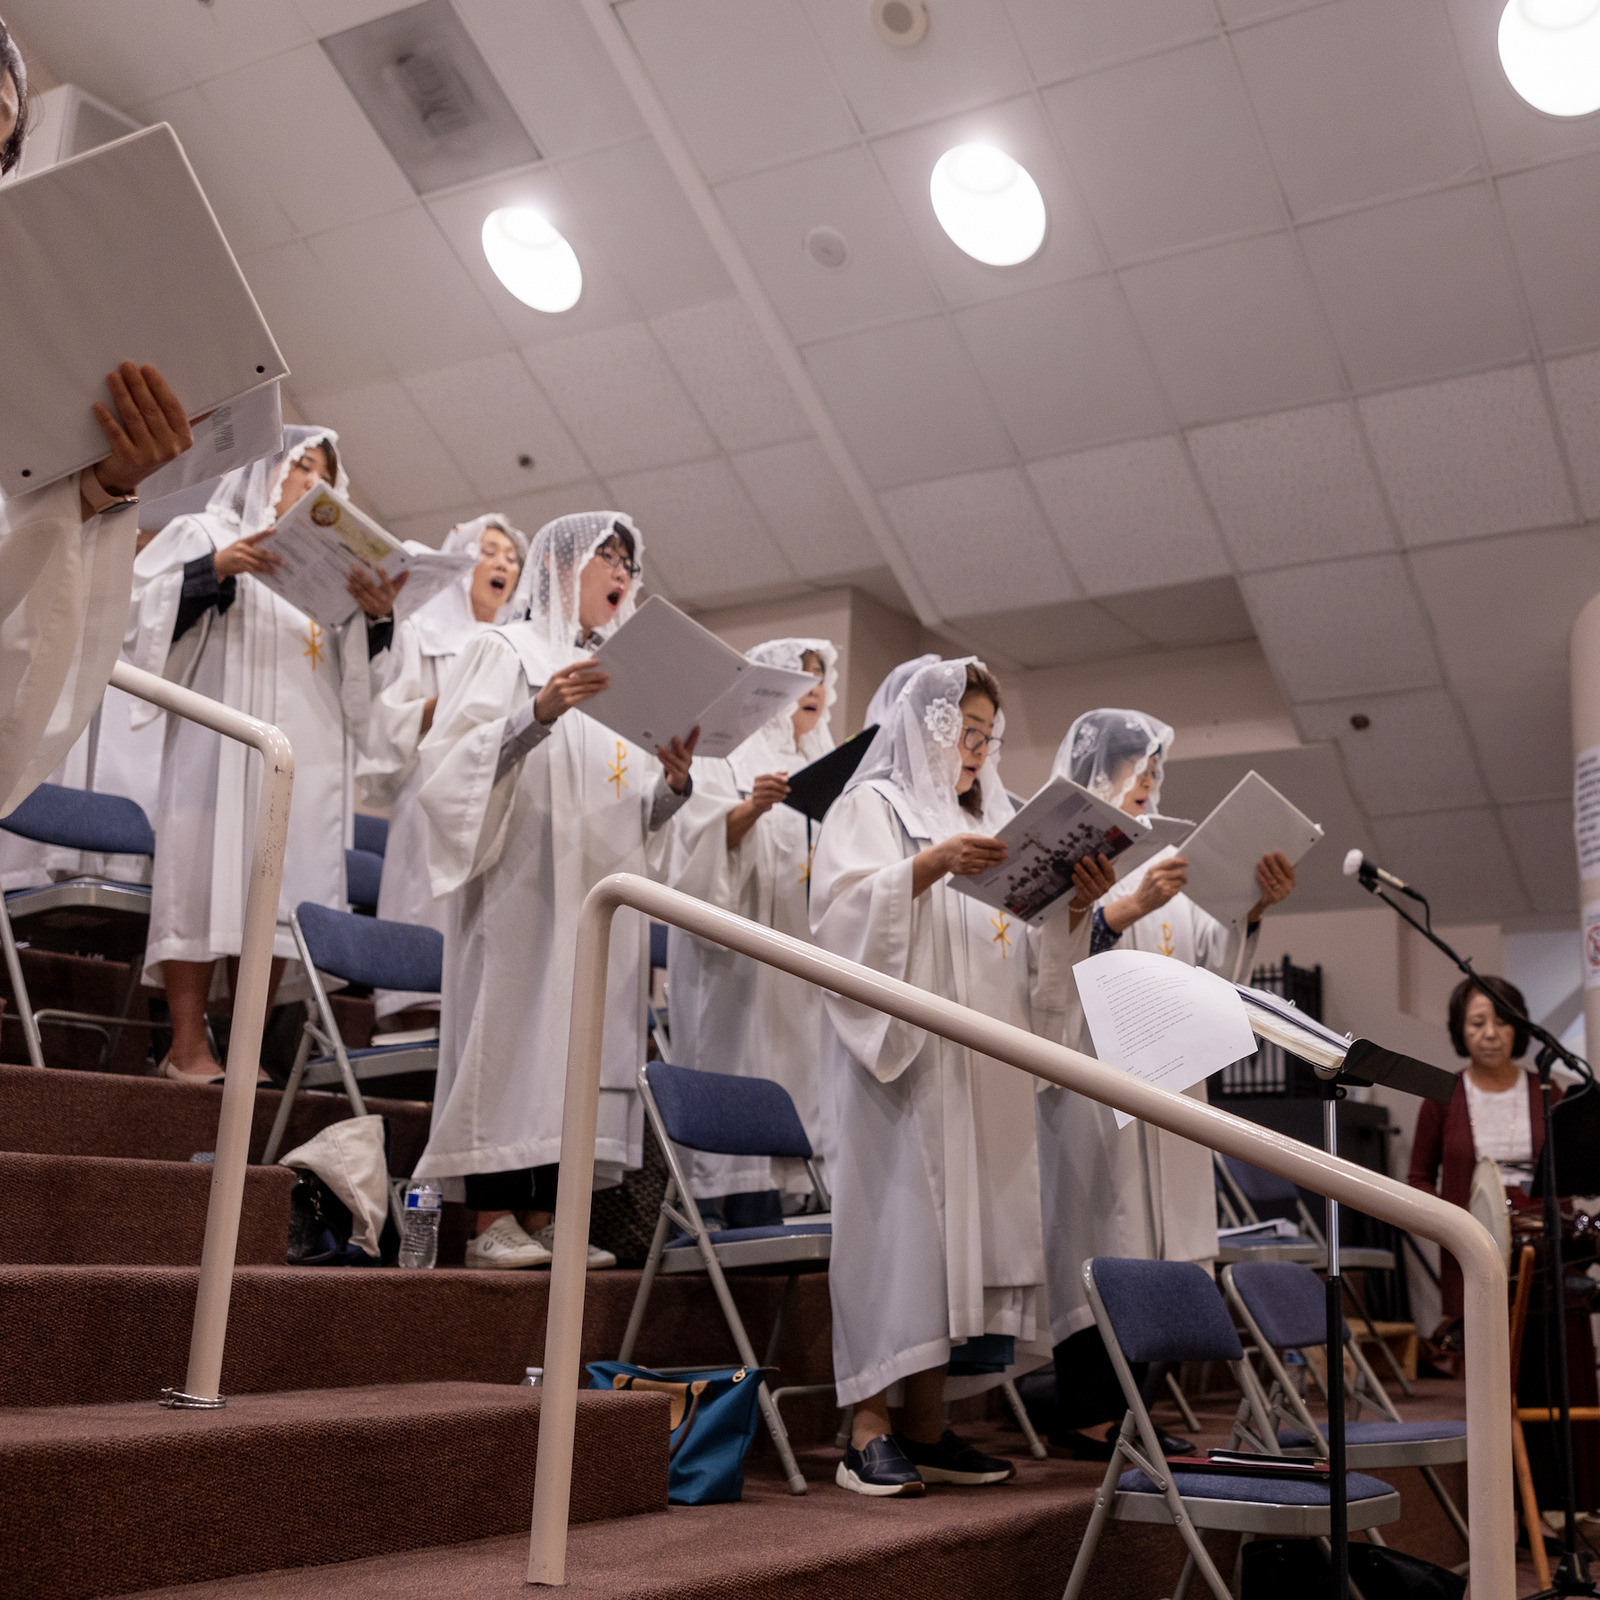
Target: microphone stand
1572,1572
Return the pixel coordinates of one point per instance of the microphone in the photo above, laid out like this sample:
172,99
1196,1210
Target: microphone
1371,874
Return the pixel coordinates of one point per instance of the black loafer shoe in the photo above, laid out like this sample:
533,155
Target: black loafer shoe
879,1468
952,1461
1171,1444
1084,1446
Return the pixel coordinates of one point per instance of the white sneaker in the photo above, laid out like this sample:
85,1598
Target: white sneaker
598,1258
504,1246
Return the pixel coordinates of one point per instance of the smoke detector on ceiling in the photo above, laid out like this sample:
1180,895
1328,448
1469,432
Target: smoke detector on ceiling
827,248
900,23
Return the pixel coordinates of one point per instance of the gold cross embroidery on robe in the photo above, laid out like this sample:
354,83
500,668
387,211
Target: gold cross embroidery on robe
1168,948
805,869
313,644
616,769
1002,933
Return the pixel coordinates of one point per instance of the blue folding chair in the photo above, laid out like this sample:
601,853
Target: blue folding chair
734,1116
1284,1307
1172,1311
363,878
77,915
370,834
366,950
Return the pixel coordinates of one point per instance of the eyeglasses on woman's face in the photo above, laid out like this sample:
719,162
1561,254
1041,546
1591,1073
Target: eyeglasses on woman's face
977,741
618,559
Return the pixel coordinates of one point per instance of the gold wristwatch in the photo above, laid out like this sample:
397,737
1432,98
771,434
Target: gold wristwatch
99,498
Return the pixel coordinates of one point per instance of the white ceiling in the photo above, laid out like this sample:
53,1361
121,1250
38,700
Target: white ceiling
1312,347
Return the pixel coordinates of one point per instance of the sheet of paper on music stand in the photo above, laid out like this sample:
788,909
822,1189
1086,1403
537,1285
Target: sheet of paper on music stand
1251,820
1047,838
323,537
234,435
1162,1020
112,256
669,675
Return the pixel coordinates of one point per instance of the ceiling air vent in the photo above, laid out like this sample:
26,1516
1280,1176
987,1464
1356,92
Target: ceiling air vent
431,97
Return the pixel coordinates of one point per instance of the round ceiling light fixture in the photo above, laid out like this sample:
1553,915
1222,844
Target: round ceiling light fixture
531,259
901,23
989,204
1550,51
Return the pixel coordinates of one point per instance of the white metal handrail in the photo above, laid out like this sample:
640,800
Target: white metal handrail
203,1383
1492,1548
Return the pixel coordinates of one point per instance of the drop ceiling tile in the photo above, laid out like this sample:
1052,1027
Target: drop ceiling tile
1555,232
397,273
327,344
1292,486
1341,628
1186,614
1469,456
334,16
978,542
809,510
908,402
1458,859
726,365
771,214
1129,516
702,529
1018,128
1419,289
1575,386
1166,151
530,512
226,34
633,209
1234,329
554,70
295,114
1358,99
968,57
745,80
1413,756
393,456
1521,725
432,526
1235,11
1064,40
617,394
460,217
1542,846
1050,636
1064,366
122,54
489,412
239,188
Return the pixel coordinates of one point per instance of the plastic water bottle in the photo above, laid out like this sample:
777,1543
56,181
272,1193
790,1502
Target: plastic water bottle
419,1235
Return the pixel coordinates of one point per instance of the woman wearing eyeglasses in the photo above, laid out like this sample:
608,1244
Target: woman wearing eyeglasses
529,804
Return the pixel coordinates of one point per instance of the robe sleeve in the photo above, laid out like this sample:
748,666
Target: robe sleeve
1057,1009
394,729
158,576
862,908
65,584
355,677
466,804
701,863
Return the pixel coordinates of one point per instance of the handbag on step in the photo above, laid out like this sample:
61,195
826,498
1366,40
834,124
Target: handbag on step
712,1421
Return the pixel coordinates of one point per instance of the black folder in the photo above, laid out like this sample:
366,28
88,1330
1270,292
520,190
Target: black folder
813,789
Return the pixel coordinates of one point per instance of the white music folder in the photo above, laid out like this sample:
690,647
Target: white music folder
1250,821
113,256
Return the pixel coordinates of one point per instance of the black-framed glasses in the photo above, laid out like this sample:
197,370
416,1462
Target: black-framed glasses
617,558
976,740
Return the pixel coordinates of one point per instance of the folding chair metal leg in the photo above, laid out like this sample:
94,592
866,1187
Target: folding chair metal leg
1190,1420
1186,1577
1036,1447
1372,1331
1097,1521
647,1279
19,989
280,1123
1447,1503
784,1303
135,977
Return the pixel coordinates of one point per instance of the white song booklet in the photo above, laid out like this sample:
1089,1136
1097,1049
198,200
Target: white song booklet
669,675
1160,1019
1250,821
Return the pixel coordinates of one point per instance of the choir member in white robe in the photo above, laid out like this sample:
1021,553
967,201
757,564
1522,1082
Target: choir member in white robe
529,803
1137,1191
202,617
425,645
938,1256
740,848
66,570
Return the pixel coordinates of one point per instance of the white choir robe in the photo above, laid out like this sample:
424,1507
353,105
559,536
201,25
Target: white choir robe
390,773
516,859
1136,1191
732,1014
64,587
936,1223
269,659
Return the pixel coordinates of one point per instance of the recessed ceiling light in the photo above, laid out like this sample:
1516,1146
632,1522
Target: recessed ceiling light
988,204
532,259
1550,50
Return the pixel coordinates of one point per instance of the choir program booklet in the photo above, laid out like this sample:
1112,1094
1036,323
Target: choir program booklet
1252,820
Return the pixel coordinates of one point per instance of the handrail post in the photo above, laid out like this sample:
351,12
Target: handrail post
202,1384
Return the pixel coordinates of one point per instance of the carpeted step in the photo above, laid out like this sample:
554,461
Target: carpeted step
93,1335
152,1119
88,1210
104,1500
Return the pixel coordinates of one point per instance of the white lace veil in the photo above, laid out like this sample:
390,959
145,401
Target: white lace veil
1104,750
916,758
446,622
772,747
246,496
546,597
887,692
